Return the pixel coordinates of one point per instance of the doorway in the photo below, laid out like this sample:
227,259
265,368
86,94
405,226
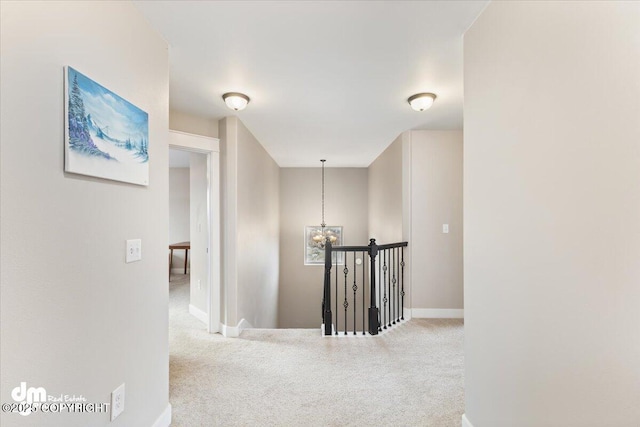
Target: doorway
201,154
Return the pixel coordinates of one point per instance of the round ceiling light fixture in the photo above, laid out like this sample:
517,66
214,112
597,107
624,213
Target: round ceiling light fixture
421,101
235,100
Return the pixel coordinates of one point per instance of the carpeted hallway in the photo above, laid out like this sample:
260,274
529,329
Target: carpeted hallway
412,376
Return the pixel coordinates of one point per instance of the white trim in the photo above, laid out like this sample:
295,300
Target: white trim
214,302
198,314
234,331
465,421
434,313
192,142
164,420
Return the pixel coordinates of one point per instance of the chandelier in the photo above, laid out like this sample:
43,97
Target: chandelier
322,235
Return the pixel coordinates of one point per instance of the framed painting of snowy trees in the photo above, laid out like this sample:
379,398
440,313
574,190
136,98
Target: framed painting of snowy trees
105,135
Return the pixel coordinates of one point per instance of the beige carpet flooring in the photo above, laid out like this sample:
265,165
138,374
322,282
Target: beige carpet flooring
411,376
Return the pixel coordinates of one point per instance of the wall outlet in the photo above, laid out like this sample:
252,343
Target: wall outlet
134,250
117,402
445,228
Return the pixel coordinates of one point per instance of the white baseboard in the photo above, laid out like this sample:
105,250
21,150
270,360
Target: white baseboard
360,334
180,270
164,420
434,313
234,331
333,331
199,314
466,422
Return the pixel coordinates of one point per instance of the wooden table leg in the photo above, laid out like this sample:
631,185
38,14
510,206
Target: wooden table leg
170,262
186,256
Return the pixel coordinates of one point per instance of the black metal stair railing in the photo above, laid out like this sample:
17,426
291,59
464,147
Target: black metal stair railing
381,285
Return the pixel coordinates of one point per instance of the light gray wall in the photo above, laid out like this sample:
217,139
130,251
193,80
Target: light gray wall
250,235
199,231
552,209
178,212
415,186
436,199
346,204
258,236
190,123
75,318
385,195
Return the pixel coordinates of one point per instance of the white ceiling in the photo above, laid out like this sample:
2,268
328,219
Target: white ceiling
326,79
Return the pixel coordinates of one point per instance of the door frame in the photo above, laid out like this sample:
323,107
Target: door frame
211,147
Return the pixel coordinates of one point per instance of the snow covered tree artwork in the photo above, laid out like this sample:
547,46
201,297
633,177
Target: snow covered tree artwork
106,136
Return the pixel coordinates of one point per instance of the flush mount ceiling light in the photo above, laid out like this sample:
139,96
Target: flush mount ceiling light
236,100
421,101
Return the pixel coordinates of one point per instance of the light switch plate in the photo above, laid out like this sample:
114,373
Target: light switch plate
445,228
134,250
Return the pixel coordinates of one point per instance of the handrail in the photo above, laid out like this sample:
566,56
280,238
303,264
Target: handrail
350,248
393,245
366,248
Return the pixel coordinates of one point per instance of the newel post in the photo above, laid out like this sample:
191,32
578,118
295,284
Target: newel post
327,290
373,310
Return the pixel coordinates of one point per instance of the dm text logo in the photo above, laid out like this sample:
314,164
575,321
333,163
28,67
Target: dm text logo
22,394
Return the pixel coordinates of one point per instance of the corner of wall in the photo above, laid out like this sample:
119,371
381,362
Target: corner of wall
406,208
251,199
229,201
